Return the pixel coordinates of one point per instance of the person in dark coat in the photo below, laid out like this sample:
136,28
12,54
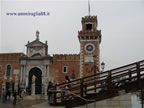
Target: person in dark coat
49,93
15,97
67,80
68,86
8,94
3,95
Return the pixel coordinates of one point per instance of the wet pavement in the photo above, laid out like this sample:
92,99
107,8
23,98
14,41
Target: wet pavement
22,103
27,103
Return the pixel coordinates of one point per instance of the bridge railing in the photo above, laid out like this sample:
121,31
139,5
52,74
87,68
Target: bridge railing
104,81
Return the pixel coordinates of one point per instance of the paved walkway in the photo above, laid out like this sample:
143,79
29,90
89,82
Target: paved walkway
44,105
27,103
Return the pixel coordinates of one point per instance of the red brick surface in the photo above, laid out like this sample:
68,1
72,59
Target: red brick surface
72,62
11,59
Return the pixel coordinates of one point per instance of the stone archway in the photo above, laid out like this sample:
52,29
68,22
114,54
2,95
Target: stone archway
38,80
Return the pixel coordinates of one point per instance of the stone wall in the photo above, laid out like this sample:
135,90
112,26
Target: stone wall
129,100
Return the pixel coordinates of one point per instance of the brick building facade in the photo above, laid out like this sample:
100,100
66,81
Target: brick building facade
65,65
37,67
9,69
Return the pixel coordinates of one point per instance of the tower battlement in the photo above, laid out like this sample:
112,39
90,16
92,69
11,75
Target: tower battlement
98,32
89,19
66,57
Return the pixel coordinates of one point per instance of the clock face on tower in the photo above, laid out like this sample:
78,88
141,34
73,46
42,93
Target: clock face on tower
89,47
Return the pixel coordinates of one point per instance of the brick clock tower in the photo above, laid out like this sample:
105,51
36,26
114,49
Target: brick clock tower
90,39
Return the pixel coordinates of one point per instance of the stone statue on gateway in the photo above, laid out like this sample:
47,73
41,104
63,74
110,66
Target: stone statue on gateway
33,79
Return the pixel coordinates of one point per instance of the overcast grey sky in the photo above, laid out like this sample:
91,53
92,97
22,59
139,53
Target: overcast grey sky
121,22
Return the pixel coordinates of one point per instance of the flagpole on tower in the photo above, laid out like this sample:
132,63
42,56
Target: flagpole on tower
89,7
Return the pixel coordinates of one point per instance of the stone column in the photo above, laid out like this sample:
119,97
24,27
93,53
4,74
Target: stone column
43,81
33,89
48,73
46,70
16,82
24,74
21,74
46,85
26,77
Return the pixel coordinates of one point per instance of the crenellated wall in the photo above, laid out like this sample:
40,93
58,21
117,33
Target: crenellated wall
66,57
89,19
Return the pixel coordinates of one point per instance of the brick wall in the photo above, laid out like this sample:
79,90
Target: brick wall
72,62
8,59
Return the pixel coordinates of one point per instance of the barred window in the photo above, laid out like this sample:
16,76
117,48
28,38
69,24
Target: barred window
8,71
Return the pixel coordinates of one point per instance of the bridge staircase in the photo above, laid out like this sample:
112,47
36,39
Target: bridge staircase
100,86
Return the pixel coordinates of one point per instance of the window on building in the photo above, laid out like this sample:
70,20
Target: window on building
65,69
8,71
89,27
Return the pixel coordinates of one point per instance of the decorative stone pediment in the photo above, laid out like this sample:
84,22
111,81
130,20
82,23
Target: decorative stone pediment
36,43
36,48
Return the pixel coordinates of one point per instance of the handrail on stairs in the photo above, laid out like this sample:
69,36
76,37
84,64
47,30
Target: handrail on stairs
112,80
86,100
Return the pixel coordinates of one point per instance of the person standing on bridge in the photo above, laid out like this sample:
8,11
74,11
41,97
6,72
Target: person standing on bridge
68,85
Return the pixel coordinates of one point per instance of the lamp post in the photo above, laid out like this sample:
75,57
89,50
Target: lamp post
102,66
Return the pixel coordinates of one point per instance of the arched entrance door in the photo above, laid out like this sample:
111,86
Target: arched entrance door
38,80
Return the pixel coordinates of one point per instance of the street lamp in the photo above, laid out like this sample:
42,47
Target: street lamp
102,66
